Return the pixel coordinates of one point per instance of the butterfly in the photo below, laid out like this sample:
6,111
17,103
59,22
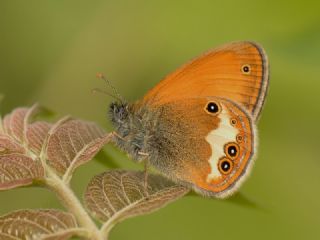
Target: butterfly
197,125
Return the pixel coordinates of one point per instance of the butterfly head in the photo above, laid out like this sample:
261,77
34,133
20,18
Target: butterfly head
118,113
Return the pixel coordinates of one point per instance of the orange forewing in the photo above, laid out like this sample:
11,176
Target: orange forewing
237,71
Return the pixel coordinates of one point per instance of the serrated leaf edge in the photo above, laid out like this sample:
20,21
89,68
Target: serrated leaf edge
118,216
30,113
134,204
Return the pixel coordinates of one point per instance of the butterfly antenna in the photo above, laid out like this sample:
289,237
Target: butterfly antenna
98,90
114,90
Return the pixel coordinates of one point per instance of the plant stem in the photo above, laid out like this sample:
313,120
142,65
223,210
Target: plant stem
72,203
106,228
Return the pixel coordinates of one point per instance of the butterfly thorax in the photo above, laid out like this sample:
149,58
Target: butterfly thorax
135,127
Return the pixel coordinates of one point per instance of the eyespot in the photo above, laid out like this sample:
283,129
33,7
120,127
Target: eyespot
225,166
233,121
246,69
213,107
232,150
239,138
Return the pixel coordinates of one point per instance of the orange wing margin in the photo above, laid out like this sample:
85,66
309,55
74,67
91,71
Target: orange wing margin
238,71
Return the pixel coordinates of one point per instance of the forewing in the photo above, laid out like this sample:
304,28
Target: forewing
238,71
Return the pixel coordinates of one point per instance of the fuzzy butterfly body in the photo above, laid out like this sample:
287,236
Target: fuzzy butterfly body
197,126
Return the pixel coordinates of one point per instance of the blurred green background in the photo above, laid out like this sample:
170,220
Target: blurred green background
50,52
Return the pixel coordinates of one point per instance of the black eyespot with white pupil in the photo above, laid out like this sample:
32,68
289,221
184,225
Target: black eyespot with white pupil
212,107
225,166
246,69
232,150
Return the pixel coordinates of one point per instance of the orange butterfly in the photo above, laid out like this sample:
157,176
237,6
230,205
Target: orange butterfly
197,126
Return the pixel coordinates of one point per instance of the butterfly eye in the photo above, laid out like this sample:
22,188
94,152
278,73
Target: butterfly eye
232,150
225,165
246,69
213,107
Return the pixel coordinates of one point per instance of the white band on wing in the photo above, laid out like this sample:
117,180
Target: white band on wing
217,139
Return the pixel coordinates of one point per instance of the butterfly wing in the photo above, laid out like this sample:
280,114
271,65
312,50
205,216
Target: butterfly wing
212,151
238,71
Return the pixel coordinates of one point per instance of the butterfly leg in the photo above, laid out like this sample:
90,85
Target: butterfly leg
146,168
146,165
